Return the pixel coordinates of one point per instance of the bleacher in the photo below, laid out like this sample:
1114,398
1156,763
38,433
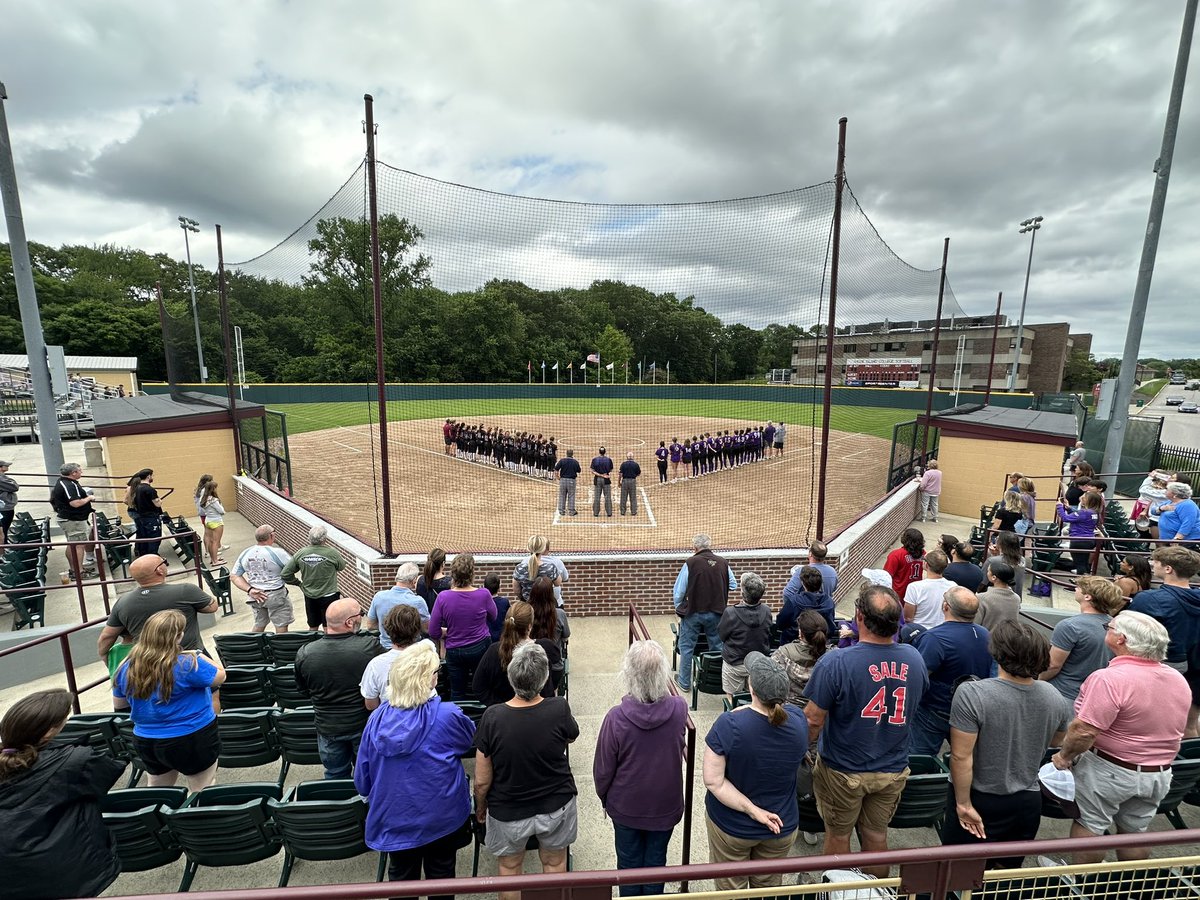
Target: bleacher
23,572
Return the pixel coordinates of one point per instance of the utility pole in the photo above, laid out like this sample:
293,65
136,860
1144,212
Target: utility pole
193,226
1141,292
31,318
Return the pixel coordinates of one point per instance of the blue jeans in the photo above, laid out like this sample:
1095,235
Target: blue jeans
338,752
639,849
929,728
460,665
689,630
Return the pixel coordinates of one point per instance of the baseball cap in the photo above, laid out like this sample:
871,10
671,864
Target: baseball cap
4,463
769,681
1058,785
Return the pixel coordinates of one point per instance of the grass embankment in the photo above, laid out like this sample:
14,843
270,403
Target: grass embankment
1150,388
876,421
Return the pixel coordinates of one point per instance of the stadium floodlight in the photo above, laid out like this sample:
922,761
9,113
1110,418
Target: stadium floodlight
1031,226
193,226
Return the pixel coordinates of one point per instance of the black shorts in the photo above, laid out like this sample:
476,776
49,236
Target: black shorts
314,608
448,440
189,754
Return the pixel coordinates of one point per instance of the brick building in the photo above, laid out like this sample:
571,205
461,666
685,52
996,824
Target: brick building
1044,352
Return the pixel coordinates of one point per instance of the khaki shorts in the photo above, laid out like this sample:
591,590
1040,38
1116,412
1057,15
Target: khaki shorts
76,531
734,678
277,609
847,799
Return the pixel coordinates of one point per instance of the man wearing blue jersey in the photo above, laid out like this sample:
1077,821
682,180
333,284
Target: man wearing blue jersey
861,701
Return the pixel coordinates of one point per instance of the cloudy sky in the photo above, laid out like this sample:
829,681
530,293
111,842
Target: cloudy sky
965,118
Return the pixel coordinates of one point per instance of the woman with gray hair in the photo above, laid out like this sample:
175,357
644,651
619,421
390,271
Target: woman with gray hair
637,767
1179,517
743,629
315,568
523,782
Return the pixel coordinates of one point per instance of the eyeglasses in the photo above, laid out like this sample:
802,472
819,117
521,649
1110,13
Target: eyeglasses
162,563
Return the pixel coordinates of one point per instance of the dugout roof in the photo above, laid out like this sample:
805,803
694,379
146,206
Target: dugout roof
1002,423
152,413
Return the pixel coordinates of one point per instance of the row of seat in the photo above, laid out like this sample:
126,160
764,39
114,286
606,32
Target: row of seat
23,571
262,648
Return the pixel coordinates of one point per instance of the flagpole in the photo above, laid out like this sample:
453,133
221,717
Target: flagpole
556,371
543,371
529,371
571,369
639,371
627,371
668,371
597,369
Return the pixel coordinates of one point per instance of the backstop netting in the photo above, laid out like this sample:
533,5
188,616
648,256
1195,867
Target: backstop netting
519,329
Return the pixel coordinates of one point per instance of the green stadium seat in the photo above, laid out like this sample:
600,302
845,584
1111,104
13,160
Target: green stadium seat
225,825
320,820
706,674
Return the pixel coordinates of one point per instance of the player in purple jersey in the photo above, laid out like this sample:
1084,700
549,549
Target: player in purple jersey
661,455
697,449
676,449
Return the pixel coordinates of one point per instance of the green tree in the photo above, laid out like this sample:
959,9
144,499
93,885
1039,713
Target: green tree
1080,372
614,347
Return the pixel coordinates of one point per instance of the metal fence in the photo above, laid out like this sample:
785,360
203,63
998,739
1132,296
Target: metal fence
265,452
910,451
1185,460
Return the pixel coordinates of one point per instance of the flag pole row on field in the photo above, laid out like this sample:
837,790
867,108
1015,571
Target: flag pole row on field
651,370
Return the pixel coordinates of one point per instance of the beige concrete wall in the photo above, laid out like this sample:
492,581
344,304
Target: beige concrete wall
178,460
973,472
127,380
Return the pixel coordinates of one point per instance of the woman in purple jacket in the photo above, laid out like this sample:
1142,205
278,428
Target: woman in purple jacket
1082,530
638,763
460,620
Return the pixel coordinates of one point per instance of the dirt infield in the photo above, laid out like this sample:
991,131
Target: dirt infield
441,501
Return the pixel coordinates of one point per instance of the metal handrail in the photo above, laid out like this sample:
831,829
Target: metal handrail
63,636
639,632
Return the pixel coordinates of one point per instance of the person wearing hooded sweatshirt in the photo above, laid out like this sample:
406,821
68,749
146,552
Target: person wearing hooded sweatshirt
55,843
743,629
409,769
1174,604
813,596
636,766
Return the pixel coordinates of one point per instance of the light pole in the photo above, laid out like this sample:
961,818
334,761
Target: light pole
192,225
1030,225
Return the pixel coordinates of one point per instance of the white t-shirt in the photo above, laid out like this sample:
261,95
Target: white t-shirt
374,681
927,595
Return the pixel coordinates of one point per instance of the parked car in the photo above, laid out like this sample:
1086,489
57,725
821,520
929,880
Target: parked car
1189,407
1175,400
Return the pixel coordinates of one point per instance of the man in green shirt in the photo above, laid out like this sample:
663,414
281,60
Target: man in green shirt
315,568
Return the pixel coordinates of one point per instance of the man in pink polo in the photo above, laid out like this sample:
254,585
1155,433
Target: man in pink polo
1129,721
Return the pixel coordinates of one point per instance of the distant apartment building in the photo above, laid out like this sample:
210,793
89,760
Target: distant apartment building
964,349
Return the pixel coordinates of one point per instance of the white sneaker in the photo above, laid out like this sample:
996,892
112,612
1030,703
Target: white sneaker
809,838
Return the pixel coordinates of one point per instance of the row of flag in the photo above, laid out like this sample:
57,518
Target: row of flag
651,370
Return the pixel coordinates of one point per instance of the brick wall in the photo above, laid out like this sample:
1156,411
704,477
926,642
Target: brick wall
600,584
1048,356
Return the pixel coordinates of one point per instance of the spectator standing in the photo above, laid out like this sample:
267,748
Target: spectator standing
1179,517
72,503
1076,456
1082,530
857,701
627,477
330,671
637,766
8,500
315,568
962,570
492,583
490,683
743,629
818,552
402,624
1174,603
999,729
931,488
459,621
259,572
750,762
811,596
409,769
55,843
523,782
549,621
433,578
1007,548
906,563
149,515
169,694
798,657
780,438
567,470
403,594
1077,646
1129,722
923,600
999,602
212,520
602,468
700,596
1011,511
1028,524
153,594
956,648
536,565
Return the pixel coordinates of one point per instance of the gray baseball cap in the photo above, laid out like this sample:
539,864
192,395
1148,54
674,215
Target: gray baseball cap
767,679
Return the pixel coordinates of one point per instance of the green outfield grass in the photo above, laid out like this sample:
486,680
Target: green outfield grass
876,421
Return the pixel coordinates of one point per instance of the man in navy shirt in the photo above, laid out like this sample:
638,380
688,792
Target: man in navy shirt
567,470
861,701
627,477
602,468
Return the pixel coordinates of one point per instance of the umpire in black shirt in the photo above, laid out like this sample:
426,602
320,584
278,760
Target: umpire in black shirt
602,468
627,477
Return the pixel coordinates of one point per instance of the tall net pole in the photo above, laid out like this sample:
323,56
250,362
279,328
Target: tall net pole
937,337
223,298
377,290
839,182
987,396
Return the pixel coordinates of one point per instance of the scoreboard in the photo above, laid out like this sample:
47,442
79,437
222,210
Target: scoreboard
883,371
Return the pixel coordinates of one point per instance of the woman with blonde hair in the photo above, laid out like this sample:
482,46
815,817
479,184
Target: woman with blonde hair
1011,511
409,769
1028,524
213,516
169,692
55,843
490,684
535,566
